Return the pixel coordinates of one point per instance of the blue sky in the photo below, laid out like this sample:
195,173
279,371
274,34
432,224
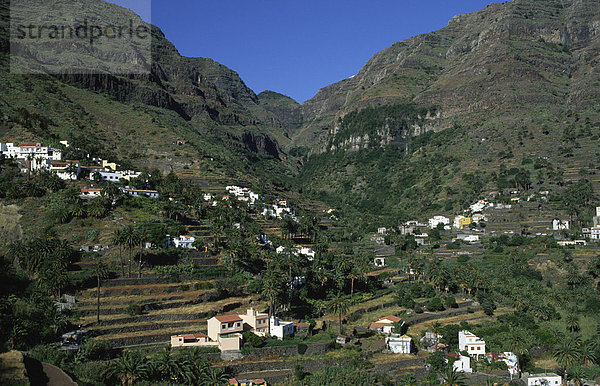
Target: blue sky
295,47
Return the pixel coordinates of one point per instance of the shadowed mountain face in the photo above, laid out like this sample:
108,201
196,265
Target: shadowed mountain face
136,115
499,64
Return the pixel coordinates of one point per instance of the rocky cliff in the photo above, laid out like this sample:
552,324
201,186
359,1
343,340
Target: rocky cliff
496,65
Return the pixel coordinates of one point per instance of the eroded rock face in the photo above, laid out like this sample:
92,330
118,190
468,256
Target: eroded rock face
501,61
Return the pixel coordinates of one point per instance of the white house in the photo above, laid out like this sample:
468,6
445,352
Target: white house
471,239
479,206
90,192
309,253
116,176
279,328
184,242
595,232
547,379
436,220
463,364
379,261
139,192
470,343
67,170
382,231
385,324
399,344
560,225
39,155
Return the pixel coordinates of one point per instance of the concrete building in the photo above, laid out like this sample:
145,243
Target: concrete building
385,324
463,364
436,220
560,225
226,330
192,340
470,343
183,241
140,192
67,170
399,344
547,379
257,322
279,328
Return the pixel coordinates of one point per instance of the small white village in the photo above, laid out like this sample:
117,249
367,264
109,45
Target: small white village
225,331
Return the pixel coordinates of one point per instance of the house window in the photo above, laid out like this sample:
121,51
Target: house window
237,324
223,326
473,348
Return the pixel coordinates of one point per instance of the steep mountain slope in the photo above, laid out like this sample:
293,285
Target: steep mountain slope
502,95
140,117
502,63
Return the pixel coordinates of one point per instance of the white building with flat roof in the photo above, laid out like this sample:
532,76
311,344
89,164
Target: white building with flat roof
546,379
469,342
279,328
436,220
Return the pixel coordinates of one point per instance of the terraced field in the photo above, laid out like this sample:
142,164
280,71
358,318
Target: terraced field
169,308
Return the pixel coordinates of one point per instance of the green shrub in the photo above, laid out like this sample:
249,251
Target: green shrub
435,305
302,347
134,310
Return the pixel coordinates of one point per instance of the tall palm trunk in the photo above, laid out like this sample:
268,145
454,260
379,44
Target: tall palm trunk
98,299
140,262
130,257
121,260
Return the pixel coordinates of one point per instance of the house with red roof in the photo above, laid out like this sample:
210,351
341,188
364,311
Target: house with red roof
90,192
246,382
226,330
385,324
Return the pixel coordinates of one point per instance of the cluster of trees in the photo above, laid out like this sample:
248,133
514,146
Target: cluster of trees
28,315
98,363
45,259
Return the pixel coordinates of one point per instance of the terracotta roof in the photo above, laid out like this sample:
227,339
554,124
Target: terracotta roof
228,318
379,324
28,144
453,355
83,190
302,325
392,318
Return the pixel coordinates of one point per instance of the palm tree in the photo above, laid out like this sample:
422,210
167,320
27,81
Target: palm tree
98,208
340,306
169,367
142,236
214,377
129,368
451,377
576,375
130,240
272,285
117,239
588,353
567,352
101,272
79,209
572,322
